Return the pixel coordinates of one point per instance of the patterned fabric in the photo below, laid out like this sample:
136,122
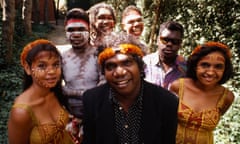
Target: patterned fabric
197,127
47,133
155,73
128,124
80,72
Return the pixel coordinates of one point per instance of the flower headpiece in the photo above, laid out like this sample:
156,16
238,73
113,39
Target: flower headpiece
122,48
213,44
29,47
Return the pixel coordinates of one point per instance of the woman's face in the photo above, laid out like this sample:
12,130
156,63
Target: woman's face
210,69
45,69
104,21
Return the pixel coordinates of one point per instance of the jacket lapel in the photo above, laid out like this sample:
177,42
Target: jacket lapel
106,120
151,120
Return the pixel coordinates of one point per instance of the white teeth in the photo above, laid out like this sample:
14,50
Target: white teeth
207,78
122,82
136,30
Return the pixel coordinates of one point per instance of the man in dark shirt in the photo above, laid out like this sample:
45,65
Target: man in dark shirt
127,109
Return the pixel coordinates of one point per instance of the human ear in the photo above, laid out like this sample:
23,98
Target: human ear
27,69
123,27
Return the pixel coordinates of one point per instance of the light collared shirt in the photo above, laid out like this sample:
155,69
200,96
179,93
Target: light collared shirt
154,72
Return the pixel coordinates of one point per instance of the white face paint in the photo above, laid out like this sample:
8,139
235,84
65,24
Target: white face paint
75,27
78,38
77,32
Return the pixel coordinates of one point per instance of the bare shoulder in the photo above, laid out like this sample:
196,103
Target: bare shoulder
230,97
19,126
228,101
174,87
188,81
20,116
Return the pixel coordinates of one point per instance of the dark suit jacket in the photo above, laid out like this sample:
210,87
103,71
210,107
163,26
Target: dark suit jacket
159,116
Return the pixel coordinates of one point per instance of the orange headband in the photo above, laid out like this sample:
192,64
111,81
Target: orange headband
122,48
29,47
213,44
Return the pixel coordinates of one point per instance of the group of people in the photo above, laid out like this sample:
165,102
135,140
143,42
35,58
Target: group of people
112,91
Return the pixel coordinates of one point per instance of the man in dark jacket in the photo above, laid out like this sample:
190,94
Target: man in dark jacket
127,109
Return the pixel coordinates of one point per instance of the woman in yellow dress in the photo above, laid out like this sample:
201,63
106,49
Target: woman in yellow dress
39,114
202,98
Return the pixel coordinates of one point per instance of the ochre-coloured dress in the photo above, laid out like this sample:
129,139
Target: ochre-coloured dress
197,127
48,133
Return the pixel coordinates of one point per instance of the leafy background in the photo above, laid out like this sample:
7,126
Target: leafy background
203,20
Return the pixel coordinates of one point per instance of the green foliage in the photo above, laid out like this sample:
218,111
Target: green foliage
10,84
9,88
227,131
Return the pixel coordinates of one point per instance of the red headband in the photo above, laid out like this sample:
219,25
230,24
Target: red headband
29,47
213,44
75,21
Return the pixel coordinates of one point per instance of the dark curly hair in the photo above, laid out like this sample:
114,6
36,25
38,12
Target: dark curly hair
116,39
76,13
205,49
94,10
129,9
173,26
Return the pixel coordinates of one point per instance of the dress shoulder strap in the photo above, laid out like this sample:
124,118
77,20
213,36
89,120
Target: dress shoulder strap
181,85
28,109
221,101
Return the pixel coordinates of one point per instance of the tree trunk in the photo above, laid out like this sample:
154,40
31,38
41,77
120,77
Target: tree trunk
46,11
36,11
27,16
8,28
153,34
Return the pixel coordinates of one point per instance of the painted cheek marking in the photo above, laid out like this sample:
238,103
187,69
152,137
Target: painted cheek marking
36,76
135,18
207,58
219,58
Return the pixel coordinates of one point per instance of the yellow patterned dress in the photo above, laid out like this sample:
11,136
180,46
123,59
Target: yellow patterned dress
197,127
49,133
